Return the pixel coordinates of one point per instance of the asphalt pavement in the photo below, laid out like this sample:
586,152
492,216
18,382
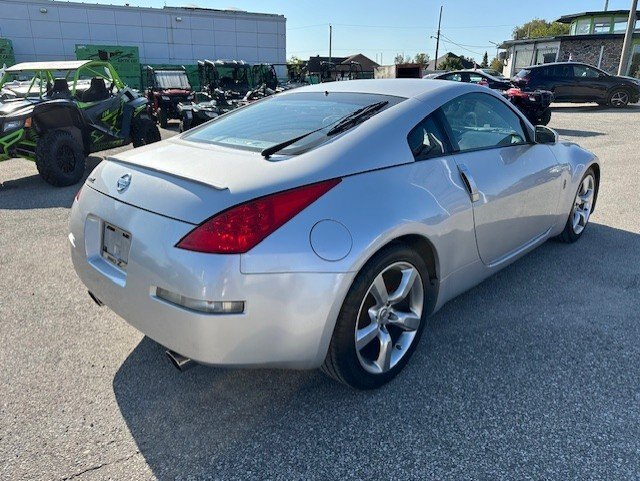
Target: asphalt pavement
534,374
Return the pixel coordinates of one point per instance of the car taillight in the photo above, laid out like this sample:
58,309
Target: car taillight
242,227
78,193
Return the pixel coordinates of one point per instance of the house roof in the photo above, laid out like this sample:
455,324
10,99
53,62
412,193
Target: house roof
313,65
598,13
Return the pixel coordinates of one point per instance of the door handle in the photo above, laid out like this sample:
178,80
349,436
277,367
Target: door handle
472,188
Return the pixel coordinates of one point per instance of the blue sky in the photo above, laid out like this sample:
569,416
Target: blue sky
384,28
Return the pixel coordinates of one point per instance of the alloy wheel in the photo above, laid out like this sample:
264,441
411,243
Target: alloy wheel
389,317
620,99
583,204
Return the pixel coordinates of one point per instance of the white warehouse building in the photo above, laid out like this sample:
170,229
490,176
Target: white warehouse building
50,30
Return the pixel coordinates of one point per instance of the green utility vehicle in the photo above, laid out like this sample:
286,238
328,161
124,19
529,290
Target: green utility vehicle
57,113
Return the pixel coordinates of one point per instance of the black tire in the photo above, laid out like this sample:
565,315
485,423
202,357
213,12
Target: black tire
342,362
144,132
163,118
619,98
569,234
545,118
60,159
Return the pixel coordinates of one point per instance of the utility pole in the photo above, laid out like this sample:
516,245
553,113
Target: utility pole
606,5
330,40
628,39
435,61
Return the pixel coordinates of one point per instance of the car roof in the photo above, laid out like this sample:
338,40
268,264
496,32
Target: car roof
408,88
559,63
33,66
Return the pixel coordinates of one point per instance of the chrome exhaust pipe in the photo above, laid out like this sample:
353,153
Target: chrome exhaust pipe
180,362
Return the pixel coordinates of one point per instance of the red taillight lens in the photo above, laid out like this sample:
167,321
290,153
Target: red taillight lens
78,193
240,228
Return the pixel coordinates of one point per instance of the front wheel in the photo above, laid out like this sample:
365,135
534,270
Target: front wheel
545,118
381,320
144,132
619,98
60,159
581,209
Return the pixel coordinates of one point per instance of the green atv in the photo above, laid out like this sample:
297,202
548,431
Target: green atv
57,113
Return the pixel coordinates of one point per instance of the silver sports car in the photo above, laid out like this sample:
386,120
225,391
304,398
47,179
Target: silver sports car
320,227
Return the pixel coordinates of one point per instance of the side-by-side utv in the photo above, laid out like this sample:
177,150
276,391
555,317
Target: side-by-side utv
57,113
166,88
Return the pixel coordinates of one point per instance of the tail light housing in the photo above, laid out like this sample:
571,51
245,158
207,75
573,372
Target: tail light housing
242,227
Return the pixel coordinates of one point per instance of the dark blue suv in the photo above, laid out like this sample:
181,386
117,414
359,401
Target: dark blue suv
579,82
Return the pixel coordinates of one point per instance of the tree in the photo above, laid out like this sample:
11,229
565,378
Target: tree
399,59
451,63
422,59
497,64
294,67
485,60
540,28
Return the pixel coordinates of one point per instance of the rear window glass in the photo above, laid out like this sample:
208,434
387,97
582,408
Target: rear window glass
279,118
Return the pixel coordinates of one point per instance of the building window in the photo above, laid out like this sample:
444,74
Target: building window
602,25
572,31
583,26
620,25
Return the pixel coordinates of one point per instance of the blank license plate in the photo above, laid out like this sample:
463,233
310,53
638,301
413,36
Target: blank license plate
115,245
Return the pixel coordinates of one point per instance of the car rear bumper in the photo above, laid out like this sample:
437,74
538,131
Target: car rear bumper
288,318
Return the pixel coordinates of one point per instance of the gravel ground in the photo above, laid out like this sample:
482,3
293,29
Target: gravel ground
531,375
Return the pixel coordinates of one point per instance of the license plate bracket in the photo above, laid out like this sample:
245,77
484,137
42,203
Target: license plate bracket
116,244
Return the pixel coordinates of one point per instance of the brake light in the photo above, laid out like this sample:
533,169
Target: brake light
242,227
78,193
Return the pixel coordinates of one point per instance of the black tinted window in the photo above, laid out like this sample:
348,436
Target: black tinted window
427,140
582,71
481,121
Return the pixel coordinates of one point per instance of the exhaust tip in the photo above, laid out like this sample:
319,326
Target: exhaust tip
178,361
95,299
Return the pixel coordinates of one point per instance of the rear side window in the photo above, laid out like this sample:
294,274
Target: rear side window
523,73
427,139
481,121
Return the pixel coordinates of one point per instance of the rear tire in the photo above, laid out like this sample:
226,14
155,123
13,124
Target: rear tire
581,209
144,131
619,98
367,321
545,118
163,118
60,159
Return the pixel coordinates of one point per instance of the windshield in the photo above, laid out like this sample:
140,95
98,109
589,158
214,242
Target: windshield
279,118
172,79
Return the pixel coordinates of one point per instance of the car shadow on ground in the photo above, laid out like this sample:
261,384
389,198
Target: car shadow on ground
32,192
539,360
579,133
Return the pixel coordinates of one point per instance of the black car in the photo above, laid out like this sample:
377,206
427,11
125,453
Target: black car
579,82
474,77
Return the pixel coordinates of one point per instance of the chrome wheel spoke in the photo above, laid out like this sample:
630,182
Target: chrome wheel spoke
407,321
365,335
386,347
406,284
379,291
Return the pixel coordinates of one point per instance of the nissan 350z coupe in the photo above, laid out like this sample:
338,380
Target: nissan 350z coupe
320,227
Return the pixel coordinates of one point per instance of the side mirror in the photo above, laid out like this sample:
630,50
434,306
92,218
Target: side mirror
545,135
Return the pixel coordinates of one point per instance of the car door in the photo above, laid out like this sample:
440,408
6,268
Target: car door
513,183
558,79
590,83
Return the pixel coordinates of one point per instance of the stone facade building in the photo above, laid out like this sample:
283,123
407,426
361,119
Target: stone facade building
595,38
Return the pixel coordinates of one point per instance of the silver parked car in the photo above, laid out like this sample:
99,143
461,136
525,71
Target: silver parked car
320,227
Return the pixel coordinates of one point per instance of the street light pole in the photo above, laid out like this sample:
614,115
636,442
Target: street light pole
628,39
330,40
